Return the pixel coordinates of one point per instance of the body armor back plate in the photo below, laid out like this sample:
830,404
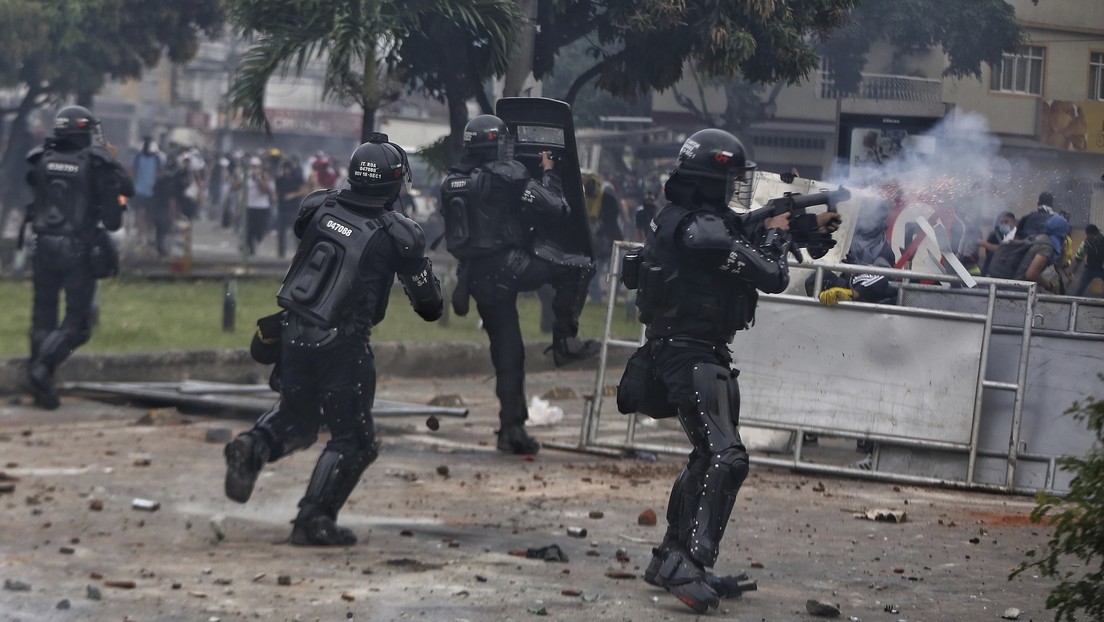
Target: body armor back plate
323,283
64,200
481,211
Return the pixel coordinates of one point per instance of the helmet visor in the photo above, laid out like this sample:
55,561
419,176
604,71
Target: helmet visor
740,187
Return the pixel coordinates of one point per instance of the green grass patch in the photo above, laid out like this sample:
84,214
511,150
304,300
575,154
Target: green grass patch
147,316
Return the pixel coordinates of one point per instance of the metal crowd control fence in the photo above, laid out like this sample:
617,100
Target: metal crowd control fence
955,386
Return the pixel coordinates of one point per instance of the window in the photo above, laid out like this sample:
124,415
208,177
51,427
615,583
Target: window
1096,76
1020,73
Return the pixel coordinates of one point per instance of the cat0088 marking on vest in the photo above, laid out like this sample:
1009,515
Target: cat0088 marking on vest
338,227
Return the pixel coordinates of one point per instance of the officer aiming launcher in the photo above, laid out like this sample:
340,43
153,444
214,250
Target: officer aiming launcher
803,227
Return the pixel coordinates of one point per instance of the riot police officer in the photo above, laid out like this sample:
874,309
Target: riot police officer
76,183
494,212
698,277
352,245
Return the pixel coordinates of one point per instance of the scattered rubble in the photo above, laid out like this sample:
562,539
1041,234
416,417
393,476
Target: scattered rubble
647,518
821,609
883,515
145,505
1011,614
13,585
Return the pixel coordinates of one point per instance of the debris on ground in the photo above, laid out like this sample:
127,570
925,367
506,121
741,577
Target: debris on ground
161,416
13,585
550,553
433,423
541,412
1011,614
883,515
560,393
821,609
616,573
145,505
577,532
450,400
647,518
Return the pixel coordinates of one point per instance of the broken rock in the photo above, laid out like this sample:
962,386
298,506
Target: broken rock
821,609
1011,614
647,517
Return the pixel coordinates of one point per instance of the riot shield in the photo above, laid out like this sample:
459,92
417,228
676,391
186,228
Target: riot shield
541,124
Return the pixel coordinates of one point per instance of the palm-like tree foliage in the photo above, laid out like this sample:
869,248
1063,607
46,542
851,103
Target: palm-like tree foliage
359,40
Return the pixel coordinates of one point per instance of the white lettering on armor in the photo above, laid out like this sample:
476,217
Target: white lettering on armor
528,196
458,183
734,264
62,167
340,228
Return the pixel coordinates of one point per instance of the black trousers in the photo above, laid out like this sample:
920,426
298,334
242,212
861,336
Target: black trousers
60,264
333,384
495,281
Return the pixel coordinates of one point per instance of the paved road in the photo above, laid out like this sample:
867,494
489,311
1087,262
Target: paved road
440,516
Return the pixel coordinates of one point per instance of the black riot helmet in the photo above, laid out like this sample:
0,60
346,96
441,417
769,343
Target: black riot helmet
379,168
483,134
77,124
715,164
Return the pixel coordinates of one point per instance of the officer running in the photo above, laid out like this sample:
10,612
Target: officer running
698,276
352,245
493,214
76,183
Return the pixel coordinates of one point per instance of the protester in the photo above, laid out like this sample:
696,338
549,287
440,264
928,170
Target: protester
1090,258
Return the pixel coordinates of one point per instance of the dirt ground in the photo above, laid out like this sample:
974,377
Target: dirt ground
442,517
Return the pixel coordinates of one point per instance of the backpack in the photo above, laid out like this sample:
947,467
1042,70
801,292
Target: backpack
1007,259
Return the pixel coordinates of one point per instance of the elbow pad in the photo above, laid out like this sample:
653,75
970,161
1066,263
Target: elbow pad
765,268
424,291
409,237
542,202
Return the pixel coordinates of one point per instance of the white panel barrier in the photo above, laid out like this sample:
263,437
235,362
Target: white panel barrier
957,387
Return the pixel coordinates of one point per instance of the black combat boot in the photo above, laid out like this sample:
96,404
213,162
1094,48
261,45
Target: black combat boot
515,439
39,382
246,455
321,530
568,350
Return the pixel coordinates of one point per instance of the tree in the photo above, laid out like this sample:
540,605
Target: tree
359,40
644,45
65,48
970,33
1078,522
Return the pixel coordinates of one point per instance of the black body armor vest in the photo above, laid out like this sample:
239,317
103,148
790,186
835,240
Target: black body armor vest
482,208
63,202
323,282
678,298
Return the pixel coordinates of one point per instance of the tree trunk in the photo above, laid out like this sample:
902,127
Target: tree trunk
458,118
521,66
13,167
369,91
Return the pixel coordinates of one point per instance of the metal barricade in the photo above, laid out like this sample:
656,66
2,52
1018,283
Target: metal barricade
939,380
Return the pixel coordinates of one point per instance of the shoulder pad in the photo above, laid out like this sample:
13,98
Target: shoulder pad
705,231
408,235
511,170
34,154
101,153
316,199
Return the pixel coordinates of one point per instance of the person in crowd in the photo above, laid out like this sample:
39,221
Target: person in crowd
1090,259
352,245
1004,230
145,167
290,190
258,203
698,277
644,215
76,182
495,216
1034,223
604,213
